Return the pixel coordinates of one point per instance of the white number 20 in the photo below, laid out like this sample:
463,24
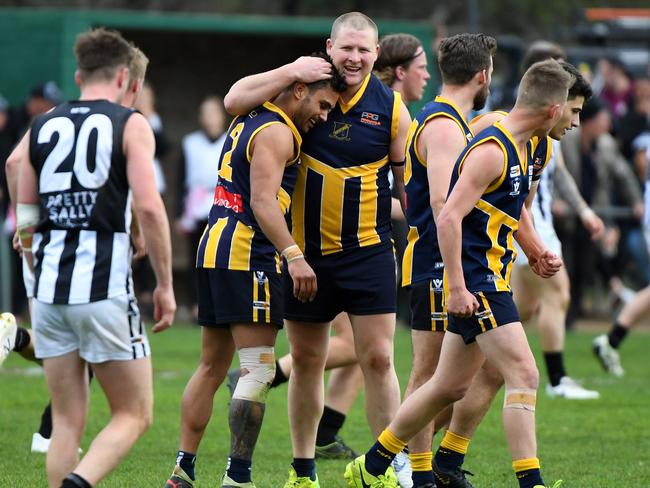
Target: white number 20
53,180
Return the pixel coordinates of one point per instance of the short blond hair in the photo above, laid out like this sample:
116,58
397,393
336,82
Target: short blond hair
139,63
357,21
544,83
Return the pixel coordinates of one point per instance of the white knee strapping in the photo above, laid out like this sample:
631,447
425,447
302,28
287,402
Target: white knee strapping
257,366
520,398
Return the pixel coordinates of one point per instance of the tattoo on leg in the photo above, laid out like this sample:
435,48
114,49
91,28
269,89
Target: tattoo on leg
245,420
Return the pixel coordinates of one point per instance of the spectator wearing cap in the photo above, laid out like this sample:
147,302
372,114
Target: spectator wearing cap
592,157
41,98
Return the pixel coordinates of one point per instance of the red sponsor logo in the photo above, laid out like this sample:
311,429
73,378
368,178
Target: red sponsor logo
223,198
370,118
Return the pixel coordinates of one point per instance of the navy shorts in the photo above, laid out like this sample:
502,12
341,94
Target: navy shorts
359,281
239,297
495,309
428,306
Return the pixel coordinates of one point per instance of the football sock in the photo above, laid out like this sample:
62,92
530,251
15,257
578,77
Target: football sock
187,461
279,376
22,339
330,423
46,422
75,481
421,465
554,367
382,453
527,472
239,470
616,335
305,468
451,453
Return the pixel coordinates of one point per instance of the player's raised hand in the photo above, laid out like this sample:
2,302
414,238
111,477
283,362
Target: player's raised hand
164,308
462,303
304,280
546,265
309,69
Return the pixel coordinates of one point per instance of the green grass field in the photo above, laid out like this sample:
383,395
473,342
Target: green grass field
599,443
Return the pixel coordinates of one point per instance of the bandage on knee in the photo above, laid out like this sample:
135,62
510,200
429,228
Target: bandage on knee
520,398
257,366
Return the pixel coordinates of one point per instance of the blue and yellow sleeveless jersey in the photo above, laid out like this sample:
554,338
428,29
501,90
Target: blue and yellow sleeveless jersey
342,198
233,238
422,259
488,249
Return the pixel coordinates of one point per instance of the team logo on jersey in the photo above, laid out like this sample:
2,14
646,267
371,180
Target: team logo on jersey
261,277
515,187
341,131
437,284
370,118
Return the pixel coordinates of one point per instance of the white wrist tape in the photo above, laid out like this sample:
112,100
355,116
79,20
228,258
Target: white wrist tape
27,214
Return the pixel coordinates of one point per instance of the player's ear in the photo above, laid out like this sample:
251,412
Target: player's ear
400,73
77,78
299,90
328,46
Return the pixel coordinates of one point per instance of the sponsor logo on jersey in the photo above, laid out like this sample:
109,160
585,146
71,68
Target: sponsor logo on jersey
232,201
514,171
341,131
370,118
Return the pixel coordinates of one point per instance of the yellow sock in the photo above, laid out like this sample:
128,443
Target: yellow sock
525,464
455,442
390,442
421,461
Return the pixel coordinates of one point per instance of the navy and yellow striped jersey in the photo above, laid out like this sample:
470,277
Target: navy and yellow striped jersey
233,238
342,198
422,259
488,249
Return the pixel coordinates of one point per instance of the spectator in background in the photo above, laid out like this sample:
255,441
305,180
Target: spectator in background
599,169
617,86
6,144
41,98
635,122
201,150
143,275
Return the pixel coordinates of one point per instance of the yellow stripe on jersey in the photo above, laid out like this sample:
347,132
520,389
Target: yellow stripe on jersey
407,259
267,300
523,161
497,182
240,248
488,312
346,106
496,219
408,170
296,134
332,201
210,254
397,107
196,259
256,298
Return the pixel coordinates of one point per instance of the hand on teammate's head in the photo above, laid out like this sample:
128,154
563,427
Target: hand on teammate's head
309,69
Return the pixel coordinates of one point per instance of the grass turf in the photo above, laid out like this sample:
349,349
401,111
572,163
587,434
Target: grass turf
598,443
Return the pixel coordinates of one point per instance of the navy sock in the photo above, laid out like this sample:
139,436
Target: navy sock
45,428
187,461
378,458
330,423
75,481
554,366
448,460
422,478
22,339
279,377
616,335
239,470
530,478
305,467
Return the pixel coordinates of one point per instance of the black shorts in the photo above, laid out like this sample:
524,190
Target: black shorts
358,281
495,309
239,297
428,306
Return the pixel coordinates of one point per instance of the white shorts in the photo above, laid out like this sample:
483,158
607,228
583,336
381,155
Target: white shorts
547,233
107,330
28,279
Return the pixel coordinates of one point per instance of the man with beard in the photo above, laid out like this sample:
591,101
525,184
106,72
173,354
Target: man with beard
436,138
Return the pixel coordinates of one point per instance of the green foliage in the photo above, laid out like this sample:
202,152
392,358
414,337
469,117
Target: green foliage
598,443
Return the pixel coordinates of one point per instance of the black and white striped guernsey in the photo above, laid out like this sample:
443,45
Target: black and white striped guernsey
82,246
